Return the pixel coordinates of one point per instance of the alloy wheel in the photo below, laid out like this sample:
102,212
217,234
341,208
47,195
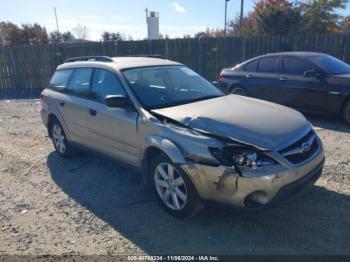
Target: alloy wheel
58,138
170,186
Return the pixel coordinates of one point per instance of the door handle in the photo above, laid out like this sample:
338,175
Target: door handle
283,78
92,112
62,103
334,93
249,76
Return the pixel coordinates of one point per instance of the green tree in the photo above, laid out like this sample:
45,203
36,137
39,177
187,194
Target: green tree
320,16
269,17
277,17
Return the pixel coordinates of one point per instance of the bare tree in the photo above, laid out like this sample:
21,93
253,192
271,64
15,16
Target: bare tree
81,31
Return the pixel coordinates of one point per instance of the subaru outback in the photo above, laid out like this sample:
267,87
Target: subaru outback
192,143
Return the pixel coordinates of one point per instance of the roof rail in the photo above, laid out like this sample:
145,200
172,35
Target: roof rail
89,58
150,56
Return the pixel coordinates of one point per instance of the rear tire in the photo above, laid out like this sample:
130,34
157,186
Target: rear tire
59,140
238,90
174,189
346,112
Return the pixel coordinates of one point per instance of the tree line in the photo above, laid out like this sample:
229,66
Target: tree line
268,17
281,17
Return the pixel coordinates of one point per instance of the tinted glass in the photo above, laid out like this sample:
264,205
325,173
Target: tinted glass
294,66
268,65
165,86
59,80
80,82
251,67
105,83
331,65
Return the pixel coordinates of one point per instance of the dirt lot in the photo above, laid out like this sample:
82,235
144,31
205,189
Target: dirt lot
89,205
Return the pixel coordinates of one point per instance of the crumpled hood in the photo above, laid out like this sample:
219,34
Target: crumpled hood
259,123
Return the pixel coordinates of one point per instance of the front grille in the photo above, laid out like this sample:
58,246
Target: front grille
301,150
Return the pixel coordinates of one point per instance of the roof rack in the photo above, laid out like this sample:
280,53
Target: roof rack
89,58
150,56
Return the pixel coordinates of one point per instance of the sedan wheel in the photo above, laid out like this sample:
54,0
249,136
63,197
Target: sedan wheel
239,91
170,186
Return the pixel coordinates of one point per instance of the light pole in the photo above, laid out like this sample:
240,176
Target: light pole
241,16
225,30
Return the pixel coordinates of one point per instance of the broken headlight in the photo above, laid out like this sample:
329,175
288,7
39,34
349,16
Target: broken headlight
241,157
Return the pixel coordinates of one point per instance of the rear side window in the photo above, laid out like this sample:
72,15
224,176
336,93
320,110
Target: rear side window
59,80
80,83
294,66
251,67
105,83
268,65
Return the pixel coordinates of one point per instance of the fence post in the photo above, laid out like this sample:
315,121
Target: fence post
14,68
346,55
199,56
166,48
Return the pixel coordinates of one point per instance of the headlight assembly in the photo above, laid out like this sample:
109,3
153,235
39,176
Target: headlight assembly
241,157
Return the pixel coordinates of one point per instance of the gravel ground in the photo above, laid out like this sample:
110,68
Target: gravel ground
90,205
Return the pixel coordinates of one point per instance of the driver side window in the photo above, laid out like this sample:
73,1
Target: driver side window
105,83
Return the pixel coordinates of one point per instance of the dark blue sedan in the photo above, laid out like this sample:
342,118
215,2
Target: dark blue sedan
307,81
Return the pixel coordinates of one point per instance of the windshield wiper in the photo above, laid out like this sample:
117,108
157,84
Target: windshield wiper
186,101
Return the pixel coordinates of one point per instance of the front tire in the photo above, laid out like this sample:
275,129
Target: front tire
346,112
59,140
173,188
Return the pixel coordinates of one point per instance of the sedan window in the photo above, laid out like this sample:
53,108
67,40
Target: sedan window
251,66
294,66
268,65
80,82
331,65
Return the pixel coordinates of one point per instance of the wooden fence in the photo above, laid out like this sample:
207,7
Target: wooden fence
28,68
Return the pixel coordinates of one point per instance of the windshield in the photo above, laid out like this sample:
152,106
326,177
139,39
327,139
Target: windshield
331,65
165,86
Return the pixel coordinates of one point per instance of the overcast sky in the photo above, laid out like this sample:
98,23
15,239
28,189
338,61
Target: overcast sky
177,17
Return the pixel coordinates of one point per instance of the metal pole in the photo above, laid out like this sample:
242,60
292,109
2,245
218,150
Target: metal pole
241,16
58,29
225,30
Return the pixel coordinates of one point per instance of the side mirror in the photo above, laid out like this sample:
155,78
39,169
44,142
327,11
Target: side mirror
312,73
116,101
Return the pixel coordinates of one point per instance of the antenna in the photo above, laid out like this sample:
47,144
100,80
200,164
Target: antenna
58,29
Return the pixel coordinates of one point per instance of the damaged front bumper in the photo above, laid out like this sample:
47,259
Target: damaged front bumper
267,186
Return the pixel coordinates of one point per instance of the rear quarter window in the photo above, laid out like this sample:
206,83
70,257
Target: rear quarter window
60,78
251,66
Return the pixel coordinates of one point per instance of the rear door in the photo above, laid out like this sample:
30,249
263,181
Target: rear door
300,91
72,102
264,83
112,131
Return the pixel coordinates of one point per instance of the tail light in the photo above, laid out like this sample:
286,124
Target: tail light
220,77
41,96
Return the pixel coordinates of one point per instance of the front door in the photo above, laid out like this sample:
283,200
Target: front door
112,131
306,92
